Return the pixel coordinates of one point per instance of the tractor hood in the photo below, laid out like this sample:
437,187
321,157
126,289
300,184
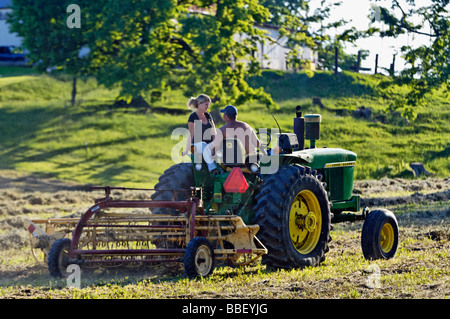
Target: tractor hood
317,158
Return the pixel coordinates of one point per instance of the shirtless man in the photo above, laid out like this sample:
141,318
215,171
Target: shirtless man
235,129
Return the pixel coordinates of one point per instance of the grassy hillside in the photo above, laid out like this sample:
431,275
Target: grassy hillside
97,143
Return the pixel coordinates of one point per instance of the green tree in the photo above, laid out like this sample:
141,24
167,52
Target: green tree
142,45
131,44
295,19
428,65
221,46
345,61
51,43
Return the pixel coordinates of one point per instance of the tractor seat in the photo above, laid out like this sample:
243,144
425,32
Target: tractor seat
234,155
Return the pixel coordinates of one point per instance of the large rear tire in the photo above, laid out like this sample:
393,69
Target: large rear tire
177,177
293,213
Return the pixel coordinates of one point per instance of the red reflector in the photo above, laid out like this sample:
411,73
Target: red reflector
31,229
236,182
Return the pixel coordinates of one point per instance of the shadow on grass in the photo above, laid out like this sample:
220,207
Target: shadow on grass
21,131
38,277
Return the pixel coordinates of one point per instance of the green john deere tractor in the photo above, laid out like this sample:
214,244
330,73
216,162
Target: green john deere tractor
293,193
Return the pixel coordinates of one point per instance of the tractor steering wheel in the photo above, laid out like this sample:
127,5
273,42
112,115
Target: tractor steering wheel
263,146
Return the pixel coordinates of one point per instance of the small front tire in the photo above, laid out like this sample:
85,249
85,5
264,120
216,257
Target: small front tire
379,238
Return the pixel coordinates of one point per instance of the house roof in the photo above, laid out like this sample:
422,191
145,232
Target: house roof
5,4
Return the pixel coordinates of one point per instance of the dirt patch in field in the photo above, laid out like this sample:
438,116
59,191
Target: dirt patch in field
388,192
391,185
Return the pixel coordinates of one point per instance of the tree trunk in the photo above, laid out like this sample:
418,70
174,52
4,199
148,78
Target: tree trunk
74,91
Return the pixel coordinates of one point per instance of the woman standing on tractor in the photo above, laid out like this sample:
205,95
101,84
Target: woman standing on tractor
202,130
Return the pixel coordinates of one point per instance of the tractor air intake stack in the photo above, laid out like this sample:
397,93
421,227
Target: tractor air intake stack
299,129
312,128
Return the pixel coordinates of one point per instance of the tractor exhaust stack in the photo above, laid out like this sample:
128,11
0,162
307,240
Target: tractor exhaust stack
299,129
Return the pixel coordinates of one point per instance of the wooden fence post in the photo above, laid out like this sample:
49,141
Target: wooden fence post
376,63
392,68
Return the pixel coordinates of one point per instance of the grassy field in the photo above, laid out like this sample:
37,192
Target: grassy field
97,143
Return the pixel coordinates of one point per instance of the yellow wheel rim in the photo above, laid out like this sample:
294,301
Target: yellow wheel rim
387,238
305,222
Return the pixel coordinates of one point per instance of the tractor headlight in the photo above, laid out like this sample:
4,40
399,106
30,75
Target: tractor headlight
254,168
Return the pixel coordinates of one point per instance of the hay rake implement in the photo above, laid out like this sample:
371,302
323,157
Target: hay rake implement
126,232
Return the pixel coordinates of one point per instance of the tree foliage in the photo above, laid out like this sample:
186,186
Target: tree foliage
428,65
221,48
131,44
146,46
345,61
142,45
49,41
208,46
296,18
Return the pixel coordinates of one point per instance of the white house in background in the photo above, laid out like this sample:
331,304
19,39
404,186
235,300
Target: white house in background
270,55
6,37
273,55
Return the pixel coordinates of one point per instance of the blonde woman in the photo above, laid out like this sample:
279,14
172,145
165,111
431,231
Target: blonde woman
202,130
